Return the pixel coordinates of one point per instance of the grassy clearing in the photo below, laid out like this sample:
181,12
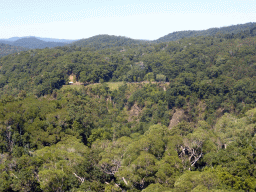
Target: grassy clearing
114,85
65,87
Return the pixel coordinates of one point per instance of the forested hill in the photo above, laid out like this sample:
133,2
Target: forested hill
174,116
209,32
33,43
17,44
107,41
2,41
9,49
42,71
12,39
55,40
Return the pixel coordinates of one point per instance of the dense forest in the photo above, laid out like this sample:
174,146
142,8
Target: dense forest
171,116
9,49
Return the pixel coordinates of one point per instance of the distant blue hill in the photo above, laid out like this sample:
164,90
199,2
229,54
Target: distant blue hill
56,40
13,39
31,42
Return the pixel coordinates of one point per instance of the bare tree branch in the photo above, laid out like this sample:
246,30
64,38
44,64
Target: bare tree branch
80,178
124,181
197,159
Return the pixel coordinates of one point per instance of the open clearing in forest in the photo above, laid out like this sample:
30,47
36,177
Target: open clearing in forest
64,87
112,85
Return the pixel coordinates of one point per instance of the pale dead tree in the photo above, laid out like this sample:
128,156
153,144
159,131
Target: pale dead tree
81,179
14,176
191,151
126,183
196,159
9,138
112,168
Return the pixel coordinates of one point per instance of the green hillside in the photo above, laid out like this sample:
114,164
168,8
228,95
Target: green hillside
30,43
209,32
107,41
34,43
172,116
118,42
9,49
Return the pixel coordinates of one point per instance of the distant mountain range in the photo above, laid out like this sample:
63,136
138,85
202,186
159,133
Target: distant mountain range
17,44
12,39
107,41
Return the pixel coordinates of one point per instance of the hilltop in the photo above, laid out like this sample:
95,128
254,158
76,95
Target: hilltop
12,39
32,43
107,41
119,42
234,29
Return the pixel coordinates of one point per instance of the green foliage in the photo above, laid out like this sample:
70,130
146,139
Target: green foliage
160,77
107,41
193,181
195,132
6,49
149,77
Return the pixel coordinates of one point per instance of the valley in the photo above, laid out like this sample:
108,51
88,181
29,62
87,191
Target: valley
112,113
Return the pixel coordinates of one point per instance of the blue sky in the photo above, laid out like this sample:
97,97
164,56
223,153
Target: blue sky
138,19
